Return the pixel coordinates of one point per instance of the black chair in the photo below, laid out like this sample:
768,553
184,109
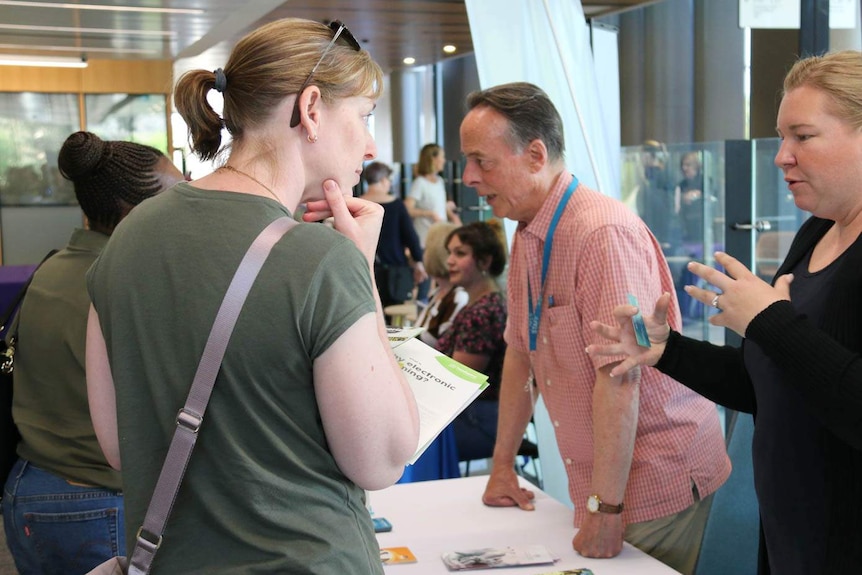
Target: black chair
479,444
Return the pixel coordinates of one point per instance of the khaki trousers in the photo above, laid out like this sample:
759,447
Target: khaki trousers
674,540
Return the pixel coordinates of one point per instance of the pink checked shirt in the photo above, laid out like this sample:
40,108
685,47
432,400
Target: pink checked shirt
602,252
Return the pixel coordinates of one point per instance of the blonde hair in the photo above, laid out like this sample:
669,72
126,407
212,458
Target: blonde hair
839,75
436,253
265,67
427,155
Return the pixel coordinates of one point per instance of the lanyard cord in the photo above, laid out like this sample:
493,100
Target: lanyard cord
536,311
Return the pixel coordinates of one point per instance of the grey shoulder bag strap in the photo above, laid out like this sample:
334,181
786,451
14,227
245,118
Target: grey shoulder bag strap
190,416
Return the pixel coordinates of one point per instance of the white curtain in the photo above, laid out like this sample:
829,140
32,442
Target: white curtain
546,42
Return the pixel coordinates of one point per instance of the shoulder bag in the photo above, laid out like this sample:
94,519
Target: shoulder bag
189,418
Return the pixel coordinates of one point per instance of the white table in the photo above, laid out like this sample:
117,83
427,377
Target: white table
432,517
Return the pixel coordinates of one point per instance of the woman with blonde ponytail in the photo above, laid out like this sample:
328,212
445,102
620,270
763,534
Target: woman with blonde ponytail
310,407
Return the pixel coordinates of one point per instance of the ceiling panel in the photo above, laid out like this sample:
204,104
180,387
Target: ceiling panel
389,29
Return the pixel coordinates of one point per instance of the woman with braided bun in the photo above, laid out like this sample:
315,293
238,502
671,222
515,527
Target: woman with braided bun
310,406
62,506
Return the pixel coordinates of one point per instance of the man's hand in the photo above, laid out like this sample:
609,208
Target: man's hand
600,535
503,490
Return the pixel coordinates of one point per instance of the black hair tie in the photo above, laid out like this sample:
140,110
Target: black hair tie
220,80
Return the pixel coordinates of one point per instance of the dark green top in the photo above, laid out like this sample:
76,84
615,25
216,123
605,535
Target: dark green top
263,493
50,407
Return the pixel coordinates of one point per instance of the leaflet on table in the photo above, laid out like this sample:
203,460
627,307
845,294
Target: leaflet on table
395,555
491,557
442,387
398,335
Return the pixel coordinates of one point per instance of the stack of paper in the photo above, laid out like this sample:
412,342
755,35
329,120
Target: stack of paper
442,386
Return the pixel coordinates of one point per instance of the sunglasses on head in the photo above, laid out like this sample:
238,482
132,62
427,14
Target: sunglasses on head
341,31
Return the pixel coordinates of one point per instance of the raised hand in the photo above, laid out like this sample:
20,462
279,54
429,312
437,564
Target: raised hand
741,294
624,342
358,219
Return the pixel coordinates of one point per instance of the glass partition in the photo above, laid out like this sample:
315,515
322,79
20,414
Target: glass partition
678,190
38,209
137,118
33,127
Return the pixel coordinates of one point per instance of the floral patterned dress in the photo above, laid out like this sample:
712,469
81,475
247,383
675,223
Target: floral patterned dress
478,329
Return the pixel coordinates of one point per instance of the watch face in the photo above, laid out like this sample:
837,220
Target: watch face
593,504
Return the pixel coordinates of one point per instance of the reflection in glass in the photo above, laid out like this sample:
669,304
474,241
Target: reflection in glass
33,127
678,190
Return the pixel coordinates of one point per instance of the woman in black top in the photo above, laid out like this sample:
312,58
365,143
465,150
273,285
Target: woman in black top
396,277
799,370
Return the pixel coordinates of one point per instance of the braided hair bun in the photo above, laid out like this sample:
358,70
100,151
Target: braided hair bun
110,177
81,155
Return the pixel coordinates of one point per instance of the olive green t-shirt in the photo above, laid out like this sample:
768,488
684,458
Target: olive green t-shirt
50,397
262,493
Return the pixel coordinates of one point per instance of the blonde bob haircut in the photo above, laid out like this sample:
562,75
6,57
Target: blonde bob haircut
839,75
265,67
436,252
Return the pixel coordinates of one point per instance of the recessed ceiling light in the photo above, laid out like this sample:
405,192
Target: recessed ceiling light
69,6
450,49
409,60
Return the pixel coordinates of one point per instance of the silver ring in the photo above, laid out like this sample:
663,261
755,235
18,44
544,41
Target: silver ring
714,302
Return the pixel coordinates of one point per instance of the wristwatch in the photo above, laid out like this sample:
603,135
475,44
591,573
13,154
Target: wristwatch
595,505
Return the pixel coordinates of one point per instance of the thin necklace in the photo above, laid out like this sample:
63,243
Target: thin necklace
252,178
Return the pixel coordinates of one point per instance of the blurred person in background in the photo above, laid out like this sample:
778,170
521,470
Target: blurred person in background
446,299
427,202
395,275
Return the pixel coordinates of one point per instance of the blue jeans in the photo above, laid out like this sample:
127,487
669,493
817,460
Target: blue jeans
53,526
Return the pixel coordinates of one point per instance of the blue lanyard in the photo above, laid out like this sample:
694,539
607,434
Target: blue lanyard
536,311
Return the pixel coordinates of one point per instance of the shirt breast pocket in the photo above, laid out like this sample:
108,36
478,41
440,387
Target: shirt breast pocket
564,334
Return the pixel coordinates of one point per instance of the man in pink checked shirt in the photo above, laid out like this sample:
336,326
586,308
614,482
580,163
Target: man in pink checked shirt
643,454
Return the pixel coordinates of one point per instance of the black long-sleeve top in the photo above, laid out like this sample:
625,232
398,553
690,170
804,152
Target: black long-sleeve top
396,234
823,363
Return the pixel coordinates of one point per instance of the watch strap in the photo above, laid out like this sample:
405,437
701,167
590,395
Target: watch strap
608,508
596,505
